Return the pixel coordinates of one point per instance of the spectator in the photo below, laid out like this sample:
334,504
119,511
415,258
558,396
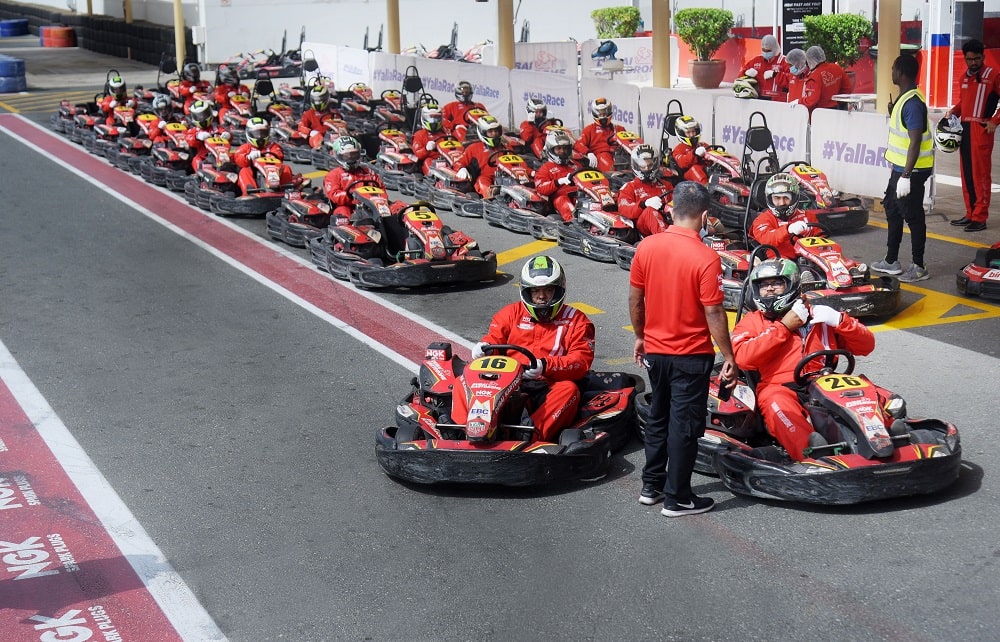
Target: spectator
766,69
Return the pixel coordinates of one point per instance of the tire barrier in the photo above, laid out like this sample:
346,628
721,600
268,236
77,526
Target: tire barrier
14,27
57,36
12,77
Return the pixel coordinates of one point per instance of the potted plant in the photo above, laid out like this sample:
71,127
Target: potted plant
616,22
704,31
840,37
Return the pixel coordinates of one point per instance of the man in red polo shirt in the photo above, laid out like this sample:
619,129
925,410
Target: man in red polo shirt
675,303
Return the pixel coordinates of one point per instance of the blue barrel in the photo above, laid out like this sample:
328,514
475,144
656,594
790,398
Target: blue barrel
15,27
41,35
12,77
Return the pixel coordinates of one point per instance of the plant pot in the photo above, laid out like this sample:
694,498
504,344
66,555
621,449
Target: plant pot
707,74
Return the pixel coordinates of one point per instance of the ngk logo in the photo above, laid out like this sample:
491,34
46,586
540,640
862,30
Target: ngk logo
65,628
28,559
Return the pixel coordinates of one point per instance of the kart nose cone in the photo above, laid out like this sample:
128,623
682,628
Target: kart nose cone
476,430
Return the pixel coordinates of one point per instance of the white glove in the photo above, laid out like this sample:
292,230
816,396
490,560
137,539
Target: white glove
751,73
794,102
700,151
903,187
565,180
800,310
655,202
313,133
202,135
537,371
130,103
592,159
254,153
162,124
430,145
826,314
478,350
113,104
769,74
227,135
231,94
798,227
462,174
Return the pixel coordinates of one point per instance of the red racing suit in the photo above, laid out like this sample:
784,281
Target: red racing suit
453,117
689,165
188,89
768,229
768,87
562,197
475,159
315,121
221,95
426,156
567,346
598,140
247,179
109,109
773,350
533,135
632,204
821,85
197,146
339,179
977,103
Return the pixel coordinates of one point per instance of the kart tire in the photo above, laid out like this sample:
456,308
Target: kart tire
570,436
10,66
14,27
408,433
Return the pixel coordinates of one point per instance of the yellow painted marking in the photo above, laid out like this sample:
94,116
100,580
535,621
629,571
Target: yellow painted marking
516,254
322,172
10,108
932,235
586,309
932,308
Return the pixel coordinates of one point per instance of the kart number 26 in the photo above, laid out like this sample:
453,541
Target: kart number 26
841,382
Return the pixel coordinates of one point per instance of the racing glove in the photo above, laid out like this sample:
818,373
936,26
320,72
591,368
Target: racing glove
231,94
700,151
903,187
113,104
227,135
162,124
752,73
202,135
479,350
769,74
462,174
800,310
793,102
564,180
798,227
537,372
253,153
826,314
655,202
430,145
592,159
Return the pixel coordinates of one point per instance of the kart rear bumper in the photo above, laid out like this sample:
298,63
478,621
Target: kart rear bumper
253,205
575,240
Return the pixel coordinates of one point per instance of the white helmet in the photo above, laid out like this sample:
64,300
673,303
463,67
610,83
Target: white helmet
948,135
745,87
543,271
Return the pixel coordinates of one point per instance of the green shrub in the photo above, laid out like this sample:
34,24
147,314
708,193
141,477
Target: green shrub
616,22
838,35
704,30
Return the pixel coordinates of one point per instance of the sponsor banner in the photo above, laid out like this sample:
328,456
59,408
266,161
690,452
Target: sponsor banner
655,102
560,94
635,53
549,57
624,99
352,66
326,58
491,85
850,148
388,71
789,125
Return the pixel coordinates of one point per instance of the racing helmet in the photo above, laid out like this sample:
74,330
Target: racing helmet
948,135
117,88
558,146
688,130
319,97
490,131
537,108
775,306
162,106
201,114
191,72
543,271
431,118
745,87
601,110
347,152
258,132
645,164
227,76
782,184
463,91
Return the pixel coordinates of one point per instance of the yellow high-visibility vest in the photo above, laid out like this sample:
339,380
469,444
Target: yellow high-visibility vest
899,138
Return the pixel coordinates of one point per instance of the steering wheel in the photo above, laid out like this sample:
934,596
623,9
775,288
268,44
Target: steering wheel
829,365
364,182
504,347
817,226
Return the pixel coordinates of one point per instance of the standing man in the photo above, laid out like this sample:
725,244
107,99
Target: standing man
978,97
675,302
823,81
767,68
910,152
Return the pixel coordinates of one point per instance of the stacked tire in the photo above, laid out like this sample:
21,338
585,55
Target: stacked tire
15,27
57,36
12,77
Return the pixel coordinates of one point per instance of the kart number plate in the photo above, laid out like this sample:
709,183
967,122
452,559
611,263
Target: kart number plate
368,189
591,177
831,383
815,241
494,364
450,144
511,159
392,132
806,170
422,215
145,118
177,127
627,136
216,140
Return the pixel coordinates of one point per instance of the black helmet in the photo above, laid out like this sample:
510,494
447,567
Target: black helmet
191,72
539,272
645,164
777,305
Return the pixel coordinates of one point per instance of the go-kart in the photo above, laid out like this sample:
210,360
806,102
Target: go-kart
597,229
302,216
130,149
218,175
263,198
495,446
412,248
105,137
513,188
442,186
395,161
875,450
285,132
982,276
169,165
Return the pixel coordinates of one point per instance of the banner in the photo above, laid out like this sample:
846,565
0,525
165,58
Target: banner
560,94
792,28
326,58
850,148
655,101
789,125
490,85
352,67
635,53
549,57
624,99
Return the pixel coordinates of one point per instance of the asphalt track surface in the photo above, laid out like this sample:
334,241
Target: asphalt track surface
229,394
